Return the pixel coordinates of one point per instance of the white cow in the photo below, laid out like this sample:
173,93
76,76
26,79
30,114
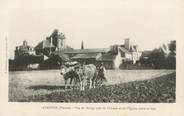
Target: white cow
87,76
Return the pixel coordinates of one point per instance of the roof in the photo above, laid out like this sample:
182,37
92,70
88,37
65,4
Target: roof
133,48
68,47
87,56
146,53
61,55
24,48
124,50
39,45
85,51
107,57
44,44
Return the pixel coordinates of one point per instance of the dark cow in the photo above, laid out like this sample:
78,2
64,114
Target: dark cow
70,74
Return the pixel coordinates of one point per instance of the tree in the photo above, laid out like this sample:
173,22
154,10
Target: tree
157,58
56,35
172,46
171,59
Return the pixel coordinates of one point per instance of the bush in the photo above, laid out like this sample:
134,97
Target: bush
160,59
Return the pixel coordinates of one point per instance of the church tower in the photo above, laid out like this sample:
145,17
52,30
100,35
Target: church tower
58,39
82,45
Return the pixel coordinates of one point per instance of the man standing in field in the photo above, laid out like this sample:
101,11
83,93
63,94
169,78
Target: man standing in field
101,74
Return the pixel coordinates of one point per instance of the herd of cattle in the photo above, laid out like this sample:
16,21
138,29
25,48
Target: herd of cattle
83,76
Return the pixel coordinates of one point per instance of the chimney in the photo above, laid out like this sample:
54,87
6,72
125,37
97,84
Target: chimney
127,43
136,48
24,43
17,48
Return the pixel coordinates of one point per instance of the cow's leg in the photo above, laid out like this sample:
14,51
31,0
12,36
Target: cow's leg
82,82
78,83
81,86
72,81
87,84
90,83
95,80
73,84
101,82
93,83
65,84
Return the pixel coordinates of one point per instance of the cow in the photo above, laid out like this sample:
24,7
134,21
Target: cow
87,76
69,73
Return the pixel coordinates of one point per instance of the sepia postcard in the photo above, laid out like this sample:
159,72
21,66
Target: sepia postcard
91,57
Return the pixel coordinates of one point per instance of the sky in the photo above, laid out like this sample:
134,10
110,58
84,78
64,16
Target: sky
98,24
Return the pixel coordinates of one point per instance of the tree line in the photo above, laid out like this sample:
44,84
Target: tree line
163,57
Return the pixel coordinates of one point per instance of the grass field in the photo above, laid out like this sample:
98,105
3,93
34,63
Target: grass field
122,86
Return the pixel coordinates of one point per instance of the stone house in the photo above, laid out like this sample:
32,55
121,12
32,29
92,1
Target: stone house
24,50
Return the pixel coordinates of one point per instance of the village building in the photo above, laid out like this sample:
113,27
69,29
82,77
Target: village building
24,50
110,61
111,57
55,42
25,58
87,56
53,52
120,55
44,48
130,52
